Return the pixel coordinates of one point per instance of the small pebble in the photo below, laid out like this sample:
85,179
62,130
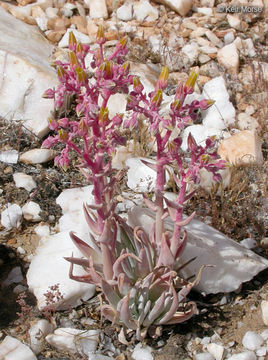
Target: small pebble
247,355
204,356
252,341
264,311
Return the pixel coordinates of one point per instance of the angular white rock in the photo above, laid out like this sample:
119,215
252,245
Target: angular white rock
72,199
99,357
204,356
25,74
74,341
264,312
182,7
229,58
216,350
11,216
144,11
82,38
37,333
125,12
97,9
191,50
233,264
37,156
247,355
42,230
9,156
48,267
248,243
222,113
142,353
24,181
31,211
141,178
13,349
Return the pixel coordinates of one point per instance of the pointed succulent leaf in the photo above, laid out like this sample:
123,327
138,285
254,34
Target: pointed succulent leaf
110,293
173,307
89,219
180,317
125,315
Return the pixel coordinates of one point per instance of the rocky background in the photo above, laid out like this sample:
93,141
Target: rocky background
227,44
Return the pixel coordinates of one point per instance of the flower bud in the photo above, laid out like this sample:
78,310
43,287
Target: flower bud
72,41
191,82
49,94
81,75
82,128
122,42
176,105
63,122
61,73
106,69
73,58
157,98
100,36
103,117
163,78
124,68
138,87
53,124
206,103
63,135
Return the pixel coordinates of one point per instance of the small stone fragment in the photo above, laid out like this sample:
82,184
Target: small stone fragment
24,181
37,156
31,211
15,276
229,58
248,243
142,352
216,350
242,148
247,122
9,156
144,11
247,355
182,7
252,341
74,340
13,349
264,311
37,333
204,356
10,217
125,12
82,38
97,9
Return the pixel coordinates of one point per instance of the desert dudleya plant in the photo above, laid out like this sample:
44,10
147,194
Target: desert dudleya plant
137,273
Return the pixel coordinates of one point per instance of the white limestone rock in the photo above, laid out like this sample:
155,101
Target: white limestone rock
13,349
25,74
252,341
246,355
31,211
24,181
11,216
125,12
97,9
182,7
222,112
191,50
216,350
144,11
38,331
9,156
247,122
142,352
82,38
264,312
228,57
42,230
74,341
72,199
233,264
48,267
141,177
37,156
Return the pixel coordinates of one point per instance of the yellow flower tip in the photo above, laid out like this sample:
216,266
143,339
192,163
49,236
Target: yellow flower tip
123,42
126,66
157,98
191,80
163,78
73,58
72,40
63,136
104,113
60,72
100,35
81,75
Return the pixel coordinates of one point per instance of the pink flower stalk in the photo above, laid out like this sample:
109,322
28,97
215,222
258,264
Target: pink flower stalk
136,272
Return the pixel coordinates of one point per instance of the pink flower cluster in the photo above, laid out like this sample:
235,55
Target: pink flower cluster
137,272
